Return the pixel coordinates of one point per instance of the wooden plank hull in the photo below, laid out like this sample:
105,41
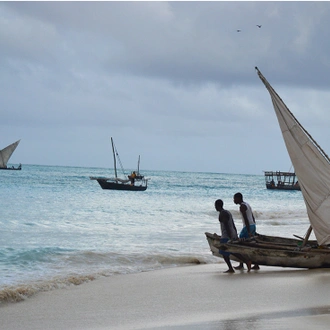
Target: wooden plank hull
275,253
282,240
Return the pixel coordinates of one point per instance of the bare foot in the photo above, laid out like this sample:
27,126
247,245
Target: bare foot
239,267
255,267
230,271
248,264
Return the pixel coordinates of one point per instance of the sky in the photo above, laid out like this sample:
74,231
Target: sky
173,82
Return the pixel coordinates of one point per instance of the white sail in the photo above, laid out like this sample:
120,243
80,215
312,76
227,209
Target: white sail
311,164
6,153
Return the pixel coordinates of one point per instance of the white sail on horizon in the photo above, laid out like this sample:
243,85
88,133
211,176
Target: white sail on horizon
6,153
311,164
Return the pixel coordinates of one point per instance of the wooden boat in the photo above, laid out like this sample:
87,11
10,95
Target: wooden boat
281,180
5,154
312,168
267,251
136,183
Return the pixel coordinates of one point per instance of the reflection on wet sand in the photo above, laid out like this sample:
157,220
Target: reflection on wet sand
292,319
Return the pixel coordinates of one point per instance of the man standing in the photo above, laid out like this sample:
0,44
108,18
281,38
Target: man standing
249,223
132,178
228,231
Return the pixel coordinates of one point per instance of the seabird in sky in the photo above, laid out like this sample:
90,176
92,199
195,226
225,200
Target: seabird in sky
259,26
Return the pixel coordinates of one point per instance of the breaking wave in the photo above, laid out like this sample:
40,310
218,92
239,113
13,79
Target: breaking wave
116,265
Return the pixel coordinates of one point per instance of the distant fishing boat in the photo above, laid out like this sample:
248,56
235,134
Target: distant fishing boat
5,154
281,180
134,182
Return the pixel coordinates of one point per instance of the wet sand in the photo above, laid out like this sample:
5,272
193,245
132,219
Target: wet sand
193,297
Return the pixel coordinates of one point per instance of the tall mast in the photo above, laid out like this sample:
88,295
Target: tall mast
138,169
114,158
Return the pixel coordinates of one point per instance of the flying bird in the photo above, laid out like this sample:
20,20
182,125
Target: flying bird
238,30
259,26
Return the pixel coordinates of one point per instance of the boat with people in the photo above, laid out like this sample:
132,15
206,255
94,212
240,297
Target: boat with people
5,155
312,168
133,182
281,180
273,251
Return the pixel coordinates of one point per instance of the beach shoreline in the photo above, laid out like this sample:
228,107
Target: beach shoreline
194,297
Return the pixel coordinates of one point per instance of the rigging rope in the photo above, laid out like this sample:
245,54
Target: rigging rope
121,165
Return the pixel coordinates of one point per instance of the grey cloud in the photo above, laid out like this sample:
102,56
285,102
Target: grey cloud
174,76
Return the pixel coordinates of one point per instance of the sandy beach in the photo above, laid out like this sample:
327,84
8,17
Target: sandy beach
193,297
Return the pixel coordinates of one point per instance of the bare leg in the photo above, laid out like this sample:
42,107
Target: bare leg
231,269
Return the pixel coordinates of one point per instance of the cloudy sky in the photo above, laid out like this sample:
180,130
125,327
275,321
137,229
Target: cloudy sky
172,81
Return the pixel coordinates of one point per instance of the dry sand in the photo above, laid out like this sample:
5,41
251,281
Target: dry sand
194,297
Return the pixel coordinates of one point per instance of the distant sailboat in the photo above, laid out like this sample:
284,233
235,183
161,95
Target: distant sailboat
5,154
122,184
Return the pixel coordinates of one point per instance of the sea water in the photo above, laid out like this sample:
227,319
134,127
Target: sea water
59,228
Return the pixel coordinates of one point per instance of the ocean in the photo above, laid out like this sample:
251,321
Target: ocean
59,228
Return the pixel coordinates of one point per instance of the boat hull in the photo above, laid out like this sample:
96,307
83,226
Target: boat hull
281,252
282,240
120,186
10,169
286,187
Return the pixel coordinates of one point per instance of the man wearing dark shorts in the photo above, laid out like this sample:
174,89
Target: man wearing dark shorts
228,231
